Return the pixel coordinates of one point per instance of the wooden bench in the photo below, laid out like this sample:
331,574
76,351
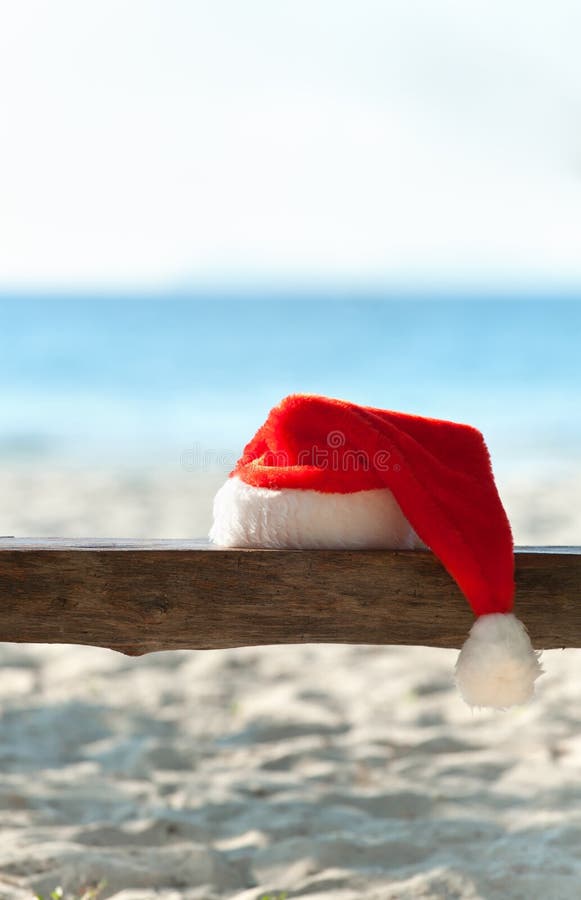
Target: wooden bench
141,596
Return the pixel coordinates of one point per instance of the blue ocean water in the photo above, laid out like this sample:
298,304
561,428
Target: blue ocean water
142,380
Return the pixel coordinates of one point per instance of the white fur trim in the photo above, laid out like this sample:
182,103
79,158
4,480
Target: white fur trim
497,665
246,516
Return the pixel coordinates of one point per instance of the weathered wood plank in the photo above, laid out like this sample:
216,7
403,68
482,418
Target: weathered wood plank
141,596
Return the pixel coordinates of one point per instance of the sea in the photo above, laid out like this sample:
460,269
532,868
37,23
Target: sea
185,379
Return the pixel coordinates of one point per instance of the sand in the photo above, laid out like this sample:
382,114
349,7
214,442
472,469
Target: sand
319,771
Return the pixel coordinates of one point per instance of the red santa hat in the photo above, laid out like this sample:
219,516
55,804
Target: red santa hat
323,473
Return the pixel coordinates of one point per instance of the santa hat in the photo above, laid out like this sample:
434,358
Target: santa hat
323,473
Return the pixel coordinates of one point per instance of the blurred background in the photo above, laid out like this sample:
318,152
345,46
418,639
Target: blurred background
204,207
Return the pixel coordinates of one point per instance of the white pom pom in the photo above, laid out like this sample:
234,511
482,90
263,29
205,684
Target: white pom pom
497,665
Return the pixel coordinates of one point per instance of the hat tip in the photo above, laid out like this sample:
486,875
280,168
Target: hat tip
497,666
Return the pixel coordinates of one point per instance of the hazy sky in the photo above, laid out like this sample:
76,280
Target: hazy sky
173,141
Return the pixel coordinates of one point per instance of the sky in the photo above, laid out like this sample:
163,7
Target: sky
147,143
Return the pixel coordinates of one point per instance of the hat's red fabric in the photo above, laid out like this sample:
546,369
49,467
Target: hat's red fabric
438,471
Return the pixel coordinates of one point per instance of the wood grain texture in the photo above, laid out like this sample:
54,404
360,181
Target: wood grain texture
137,597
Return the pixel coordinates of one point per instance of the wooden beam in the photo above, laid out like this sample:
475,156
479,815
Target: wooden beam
141,596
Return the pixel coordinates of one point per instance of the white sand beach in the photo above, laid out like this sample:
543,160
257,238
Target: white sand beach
309,771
